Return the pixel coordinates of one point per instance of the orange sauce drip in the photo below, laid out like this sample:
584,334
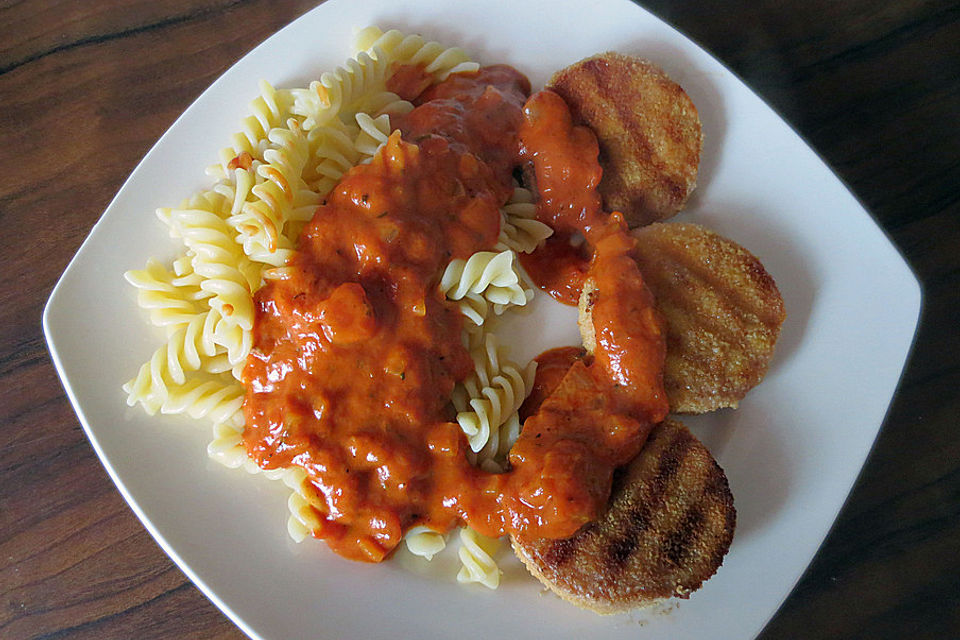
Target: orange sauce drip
630,344
552,366
597,417
566,171
559,266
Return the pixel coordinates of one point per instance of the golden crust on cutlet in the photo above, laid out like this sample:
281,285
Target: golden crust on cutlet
648,129
588,334
669,523
722,309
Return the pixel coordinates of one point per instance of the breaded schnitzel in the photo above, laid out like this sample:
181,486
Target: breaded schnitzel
648,129
668,526
722,309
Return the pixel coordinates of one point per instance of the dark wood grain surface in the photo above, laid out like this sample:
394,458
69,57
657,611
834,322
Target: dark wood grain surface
86,88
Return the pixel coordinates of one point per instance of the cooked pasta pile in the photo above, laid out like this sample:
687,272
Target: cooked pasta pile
292,150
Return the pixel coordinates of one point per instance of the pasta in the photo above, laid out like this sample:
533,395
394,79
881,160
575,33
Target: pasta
227,446
333,153
304,517
216,398
361,87
237,234
520,230
373,133
424,542
222,263
169,303
489,276
278,196
489,399
478,564
270,110
394,46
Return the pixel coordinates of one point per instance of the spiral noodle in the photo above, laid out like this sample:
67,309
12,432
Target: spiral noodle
374,133
395,47
360,87
171,300
278,196
217,257
519,228
237,186
188,279
197,346
489,397
332,154
210,200
228,449
492,276
217,398
306,514
269,110
477,560
424,542
475,307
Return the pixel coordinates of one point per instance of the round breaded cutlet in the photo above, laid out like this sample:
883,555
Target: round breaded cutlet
648,129
722,310
667,528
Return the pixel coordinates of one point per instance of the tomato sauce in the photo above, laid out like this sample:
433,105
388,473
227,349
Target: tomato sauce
356,352
559,266
597,415
566,173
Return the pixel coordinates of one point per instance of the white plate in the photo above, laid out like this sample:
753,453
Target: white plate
792,451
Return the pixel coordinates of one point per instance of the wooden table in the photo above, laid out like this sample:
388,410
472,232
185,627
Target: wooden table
87,88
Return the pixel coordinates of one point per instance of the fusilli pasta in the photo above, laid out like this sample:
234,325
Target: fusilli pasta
477,560
394,46
292,149
424,542
490,396
519,228
492,276
360,87
269,110
171,300
221,261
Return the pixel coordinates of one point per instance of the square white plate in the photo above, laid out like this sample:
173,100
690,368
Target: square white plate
792,451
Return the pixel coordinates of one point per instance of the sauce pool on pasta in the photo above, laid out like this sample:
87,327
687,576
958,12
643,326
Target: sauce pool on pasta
356,350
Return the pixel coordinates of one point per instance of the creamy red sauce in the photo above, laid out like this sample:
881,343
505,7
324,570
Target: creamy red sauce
355,354
630,345
552,366
566,173
597,415
559,266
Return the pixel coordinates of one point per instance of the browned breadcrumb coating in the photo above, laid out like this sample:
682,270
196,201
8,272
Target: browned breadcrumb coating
668,526
588,333
648,129
722,309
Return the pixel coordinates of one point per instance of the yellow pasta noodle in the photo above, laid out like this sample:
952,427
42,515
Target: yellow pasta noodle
278,196
477,560
291,150
489,396
269,110
519,228
169,303
493,276
424,542
396,47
